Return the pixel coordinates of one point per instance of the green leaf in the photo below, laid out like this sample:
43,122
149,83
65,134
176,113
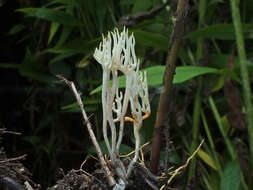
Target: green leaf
228,73
154,78
75,46
225,124
140,6
69,2
10,65
29,10
61,57
230,178
220,31
184,73
218,84
52,15
125,3
220,61
74,107
155,75
31,68
53,29
85,61
15,29
150,39
207,159
36,75
66,31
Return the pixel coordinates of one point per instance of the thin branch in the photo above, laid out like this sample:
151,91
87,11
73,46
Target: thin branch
131,20
86,122
162,112
174,173
13,159
3,131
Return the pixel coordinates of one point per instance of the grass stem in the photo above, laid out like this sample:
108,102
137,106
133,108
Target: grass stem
244,73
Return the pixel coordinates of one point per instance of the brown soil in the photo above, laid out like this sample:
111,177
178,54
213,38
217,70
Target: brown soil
80,180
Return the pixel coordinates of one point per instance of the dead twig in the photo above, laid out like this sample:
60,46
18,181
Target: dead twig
131,20
3,131
174,173
86,122
14,159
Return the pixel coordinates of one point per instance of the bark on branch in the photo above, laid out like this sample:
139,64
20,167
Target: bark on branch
162,112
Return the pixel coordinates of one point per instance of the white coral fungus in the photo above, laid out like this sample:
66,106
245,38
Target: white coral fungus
116,53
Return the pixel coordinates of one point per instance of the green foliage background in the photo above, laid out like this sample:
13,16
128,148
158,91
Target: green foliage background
43,38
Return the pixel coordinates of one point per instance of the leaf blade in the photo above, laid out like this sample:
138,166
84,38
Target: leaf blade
155,75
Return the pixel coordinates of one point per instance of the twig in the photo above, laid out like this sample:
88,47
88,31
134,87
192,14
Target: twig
28,186
130,153
146,175
14,159
86,173
145,172
131,20
183,166
23,177
3,130
12,132
153,186
162,112
86,122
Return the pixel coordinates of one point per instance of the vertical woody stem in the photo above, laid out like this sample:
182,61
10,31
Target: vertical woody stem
162,113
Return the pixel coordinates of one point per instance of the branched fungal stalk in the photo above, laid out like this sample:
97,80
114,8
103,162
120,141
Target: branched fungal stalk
116,53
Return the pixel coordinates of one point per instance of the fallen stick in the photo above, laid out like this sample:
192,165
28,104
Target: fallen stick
86,122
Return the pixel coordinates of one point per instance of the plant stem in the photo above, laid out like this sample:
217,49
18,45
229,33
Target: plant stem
86,122
216,114
162,112
228,142
198,99
195,128
211,142
244,74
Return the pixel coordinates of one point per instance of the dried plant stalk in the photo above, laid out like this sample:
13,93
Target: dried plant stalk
86,122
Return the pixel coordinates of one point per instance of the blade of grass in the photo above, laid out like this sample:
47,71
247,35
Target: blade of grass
197,101
244,74
228,143
223,132
206,156
210,179
211,142
195,128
